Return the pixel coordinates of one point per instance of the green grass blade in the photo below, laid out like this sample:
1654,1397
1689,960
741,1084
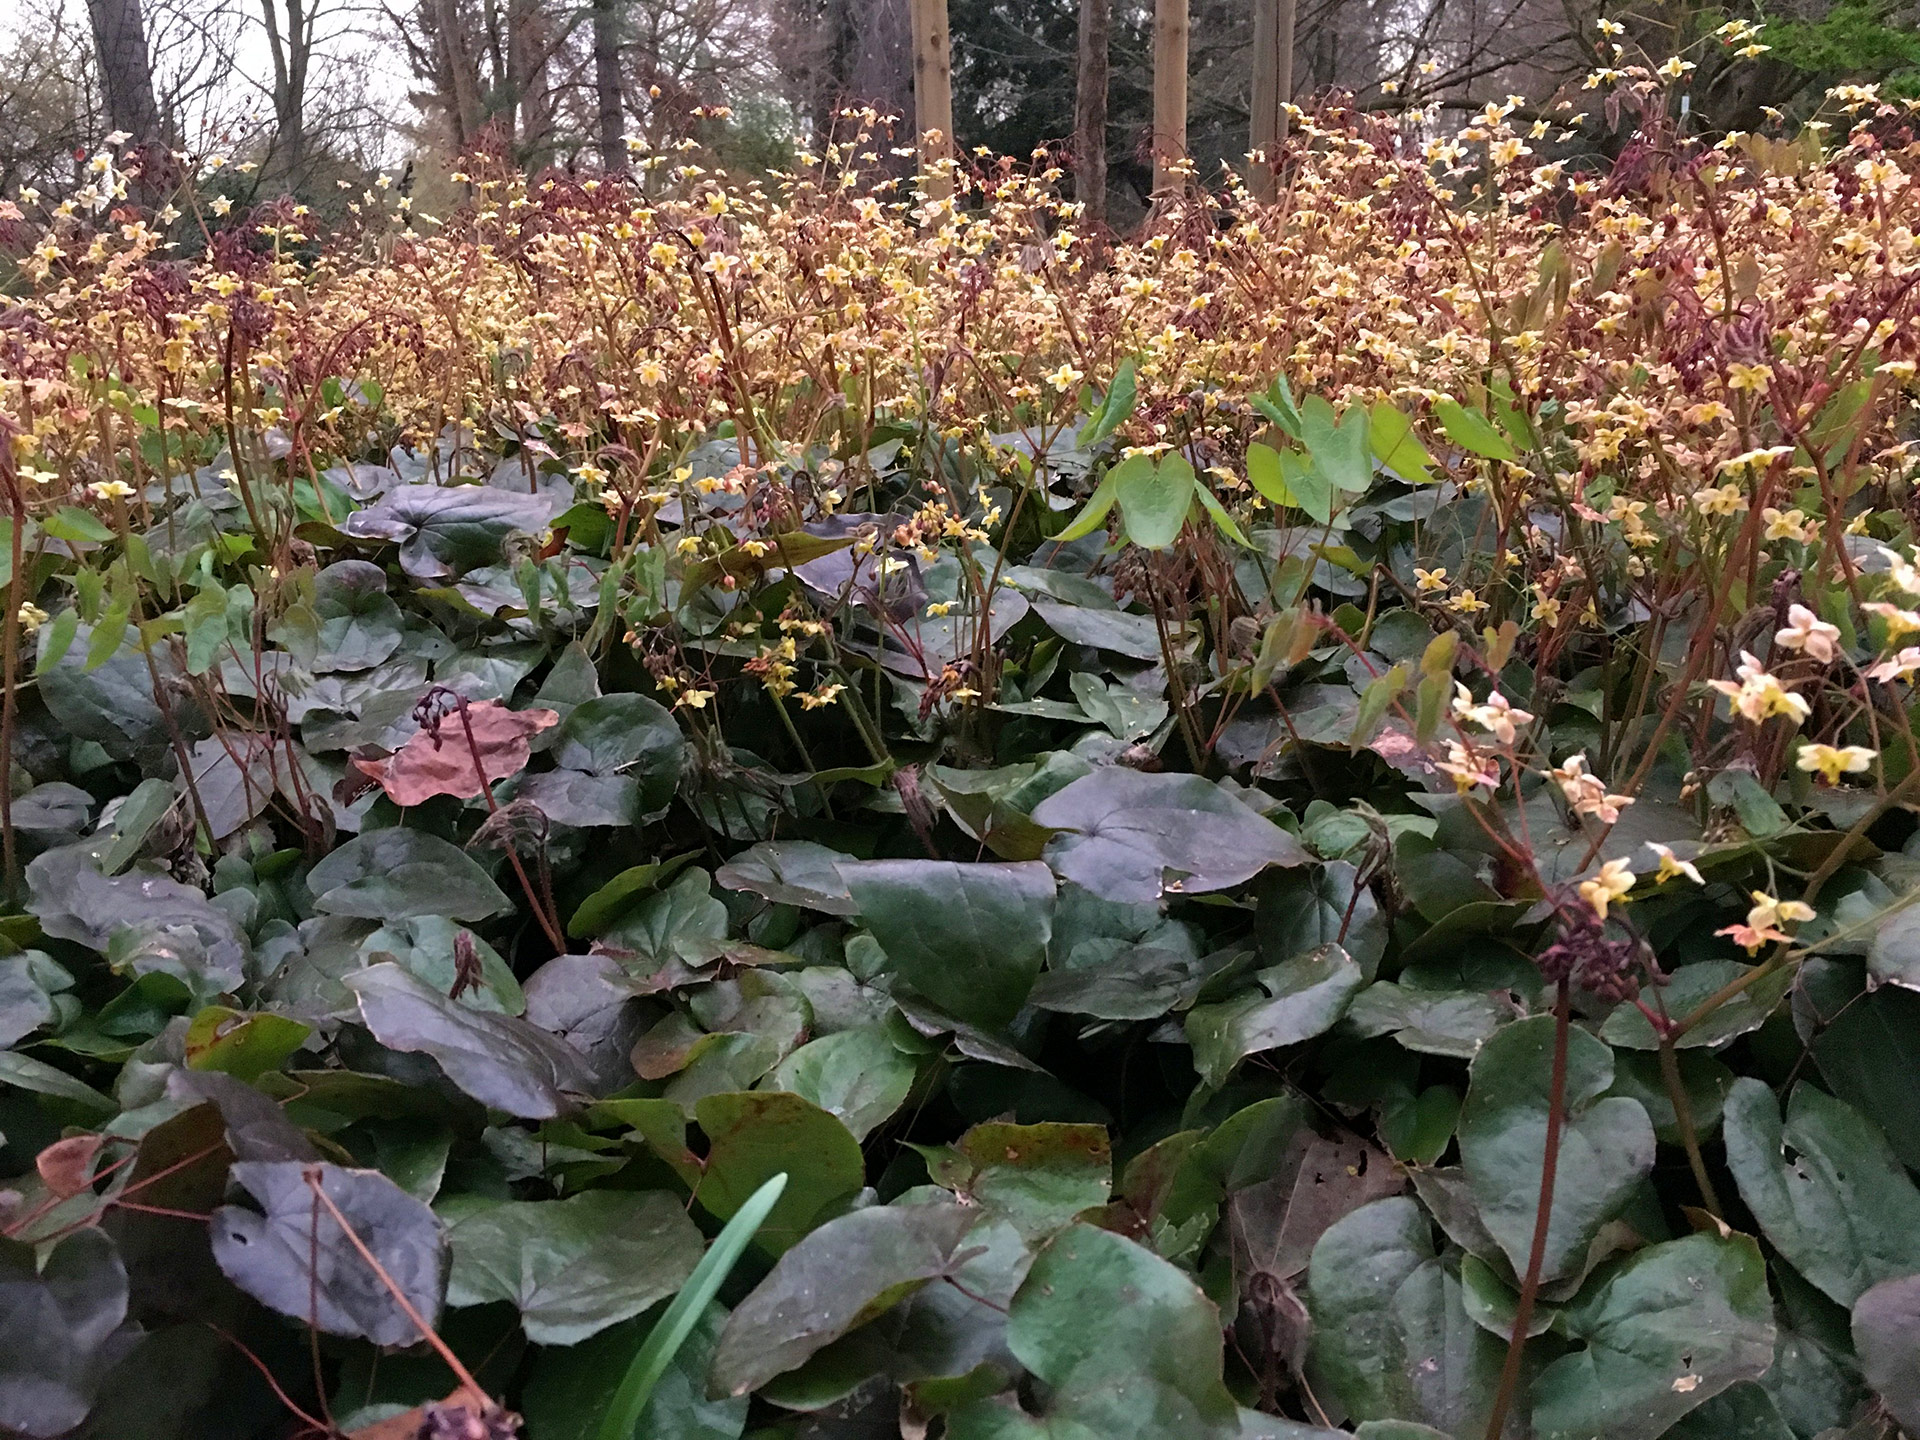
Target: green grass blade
684,1313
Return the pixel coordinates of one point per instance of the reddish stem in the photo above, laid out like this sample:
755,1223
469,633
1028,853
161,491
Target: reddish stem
1543,1213
427,1332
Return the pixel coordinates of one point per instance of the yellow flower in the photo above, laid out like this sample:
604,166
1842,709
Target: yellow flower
1672,866
1467,603
693,699
1064,379
1749,377
32,617
1759,696
825,695
110,490
1786,524
1830,763
1429,581
1720,500
1612,883
1768,912
1901,571
1751,458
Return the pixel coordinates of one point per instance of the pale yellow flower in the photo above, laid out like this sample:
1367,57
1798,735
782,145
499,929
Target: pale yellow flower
1786,524
1467,603
1759,696
1611,884
1672,866
1830,762
1768,911
1720,500
1468,769
1899,622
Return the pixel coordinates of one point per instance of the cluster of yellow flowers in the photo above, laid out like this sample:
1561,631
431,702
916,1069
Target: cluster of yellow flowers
1691,370
803,308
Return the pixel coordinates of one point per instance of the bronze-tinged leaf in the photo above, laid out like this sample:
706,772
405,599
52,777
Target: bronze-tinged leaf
66,1166
439,760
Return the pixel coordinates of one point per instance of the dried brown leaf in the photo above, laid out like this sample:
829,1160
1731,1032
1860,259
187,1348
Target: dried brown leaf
439,760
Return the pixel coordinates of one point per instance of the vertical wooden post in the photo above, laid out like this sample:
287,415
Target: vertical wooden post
1169,90
1090,110
933,92
1272,89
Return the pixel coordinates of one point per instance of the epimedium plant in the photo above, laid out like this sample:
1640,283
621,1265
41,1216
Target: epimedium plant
1299,827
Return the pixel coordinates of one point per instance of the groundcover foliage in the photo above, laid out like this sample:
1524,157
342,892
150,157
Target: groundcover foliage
1302,826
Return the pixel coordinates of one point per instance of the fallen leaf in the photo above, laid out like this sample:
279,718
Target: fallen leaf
440,760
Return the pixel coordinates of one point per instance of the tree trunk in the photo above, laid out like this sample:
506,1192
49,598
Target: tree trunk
126,68
290,51
529,62
1090,109
1169,92
606,85
880,72
827,89
460,79
1272,89
933,93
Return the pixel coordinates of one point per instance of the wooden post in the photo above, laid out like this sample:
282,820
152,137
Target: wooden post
933,92
1169,91
1272,89
1090,110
